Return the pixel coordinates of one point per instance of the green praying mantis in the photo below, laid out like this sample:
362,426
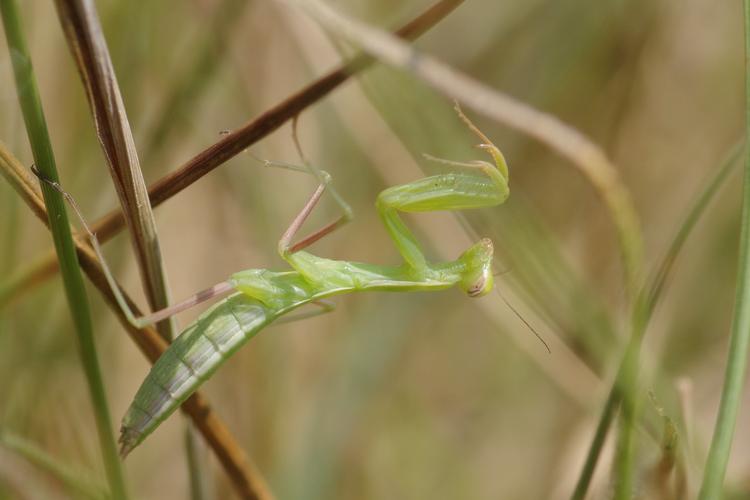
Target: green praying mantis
259,297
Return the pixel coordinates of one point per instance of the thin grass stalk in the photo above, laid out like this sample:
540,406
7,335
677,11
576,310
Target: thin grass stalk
664,271
249,134
195,462
83,32
248,483
592,457
651,294
627,389
41,147
731,394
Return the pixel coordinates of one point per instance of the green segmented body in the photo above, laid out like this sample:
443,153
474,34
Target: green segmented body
209,341
190,360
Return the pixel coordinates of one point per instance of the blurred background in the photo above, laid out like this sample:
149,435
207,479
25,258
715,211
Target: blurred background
403,396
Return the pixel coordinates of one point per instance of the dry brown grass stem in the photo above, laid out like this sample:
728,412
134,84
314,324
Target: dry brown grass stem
83,32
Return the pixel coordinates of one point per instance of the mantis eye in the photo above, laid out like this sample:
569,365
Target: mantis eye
480,285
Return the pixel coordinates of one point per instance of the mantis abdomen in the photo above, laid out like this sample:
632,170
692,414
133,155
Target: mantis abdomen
191,359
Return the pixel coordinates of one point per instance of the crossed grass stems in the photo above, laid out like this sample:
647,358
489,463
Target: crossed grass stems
239,140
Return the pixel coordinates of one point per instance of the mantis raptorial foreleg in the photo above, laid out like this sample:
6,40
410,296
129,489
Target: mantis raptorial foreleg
443,192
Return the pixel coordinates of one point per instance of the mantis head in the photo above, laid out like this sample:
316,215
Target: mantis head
477,278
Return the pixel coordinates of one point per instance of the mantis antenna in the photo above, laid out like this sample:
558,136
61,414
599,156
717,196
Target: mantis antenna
523,320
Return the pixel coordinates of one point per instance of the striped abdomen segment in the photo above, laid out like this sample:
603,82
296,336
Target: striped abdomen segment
190,360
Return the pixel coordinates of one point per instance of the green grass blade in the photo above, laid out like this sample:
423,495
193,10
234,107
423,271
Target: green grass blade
650,295
656,285
73,282
721,444
627,387
584,479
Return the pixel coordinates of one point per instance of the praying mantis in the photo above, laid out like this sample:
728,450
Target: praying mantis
259,297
